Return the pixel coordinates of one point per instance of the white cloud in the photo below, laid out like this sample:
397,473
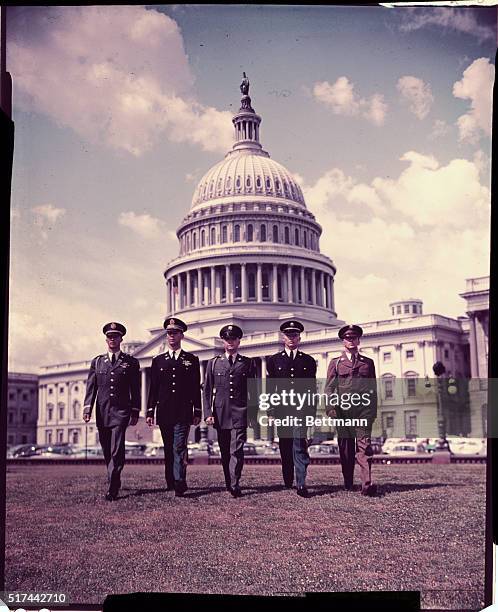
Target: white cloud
341,98
144,225
116,75
460,20
439,128
417,94
476,86
46,216
421,233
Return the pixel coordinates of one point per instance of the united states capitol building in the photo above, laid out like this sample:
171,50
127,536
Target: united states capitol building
249,254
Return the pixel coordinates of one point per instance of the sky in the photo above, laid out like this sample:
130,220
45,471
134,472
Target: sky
382,115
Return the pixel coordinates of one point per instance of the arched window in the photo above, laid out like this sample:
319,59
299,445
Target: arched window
277,184
194,240
275,233
296,237
203,238
268,182
62,408
76,409
248,181
258,182
229,182
263,233
188,243
75,436
237,182
213,235
305,239
411,384
388,386
236,233
286,235
50,411
250,233
251,285
224,234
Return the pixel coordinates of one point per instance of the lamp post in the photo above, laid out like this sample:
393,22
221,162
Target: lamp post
442,445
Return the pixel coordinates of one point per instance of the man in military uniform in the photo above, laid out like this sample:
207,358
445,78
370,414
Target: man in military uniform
175,398
114,381
282,369
348,374
226,401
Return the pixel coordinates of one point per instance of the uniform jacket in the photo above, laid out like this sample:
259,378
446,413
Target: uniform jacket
343,378
116,389
281,371
175,389
225,389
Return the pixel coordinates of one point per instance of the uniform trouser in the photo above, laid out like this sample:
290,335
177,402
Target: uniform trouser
112,440
294,454
175,453
231,443
354,444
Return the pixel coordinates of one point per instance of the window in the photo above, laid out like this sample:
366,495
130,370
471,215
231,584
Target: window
410,354
250,233
194,240
60,435
48,436
188,242
388,387
76,409
266,285
203,238
248,181
24,439
286,236
50,411
50,391
296,237
61,408
24,418
275,233
406,308
263,233
258,182
392,309
305,239
12,396
25,396
412,425
61,389
11,418
75,436
398,309
251,285
213,235
10,439
414,308
236,233
224,234
386,356
411,387
446,354
237,290
277,184
76,389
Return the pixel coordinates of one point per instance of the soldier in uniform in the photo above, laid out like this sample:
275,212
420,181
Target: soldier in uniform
175,398
285,366
225,404
114,381
347,374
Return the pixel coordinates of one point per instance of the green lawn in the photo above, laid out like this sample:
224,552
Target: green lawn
424,532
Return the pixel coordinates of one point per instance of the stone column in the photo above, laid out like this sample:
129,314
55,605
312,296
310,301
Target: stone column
327,291
143,405
289,283
189,290
205,287
259,284
320,288
199,287
313,287
275,283
228,278
332,301
303,288
180,291
213,285
243,280
168,296
217,275
474,361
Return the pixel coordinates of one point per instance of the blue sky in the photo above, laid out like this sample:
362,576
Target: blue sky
384,115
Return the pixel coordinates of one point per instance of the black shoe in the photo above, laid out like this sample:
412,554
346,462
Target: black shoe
288,486
170,487
110,496
348,487
302,492
236,492
370,491
180,488
179,493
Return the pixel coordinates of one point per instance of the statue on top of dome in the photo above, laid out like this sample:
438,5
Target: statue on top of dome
244,86
244,89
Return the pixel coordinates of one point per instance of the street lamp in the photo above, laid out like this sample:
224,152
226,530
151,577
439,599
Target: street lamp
442,445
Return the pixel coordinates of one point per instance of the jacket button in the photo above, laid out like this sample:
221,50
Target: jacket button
173,390
231,397
231,375
112,387
173,383
112,394
292,369
292,375
174,375
173,369
162,369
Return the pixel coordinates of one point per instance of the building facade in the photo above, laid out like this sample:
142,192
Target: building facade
22,408
249,254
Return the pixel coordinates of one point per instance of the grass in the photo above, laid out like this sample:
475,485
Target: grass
424,532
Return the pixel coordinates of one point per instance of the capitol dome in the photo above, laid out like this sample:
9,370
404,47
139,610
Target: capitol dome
249,247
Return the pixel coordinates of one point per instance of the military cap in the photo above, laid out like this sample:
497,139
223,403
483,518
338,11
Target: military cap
356,329
173,323
293,325
231,331
114,328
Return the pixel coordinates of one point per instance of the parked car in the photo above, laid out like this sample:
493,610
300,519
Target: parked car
468,446
329,447
389,444
376,444
57,450
264,447
135,449
406,449
28,450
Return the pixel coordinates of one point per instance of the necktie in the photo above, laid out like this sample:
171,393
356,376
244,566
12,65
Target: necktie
230,359
113,358
353,359
292,355
173,356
